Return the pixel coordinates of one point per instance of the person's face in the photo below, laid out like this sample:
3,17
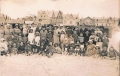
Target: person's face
77,47
81,34
74,32
21,43
41,46
14,46
21,27
111,49
71,47
100,40
61,27
43,28
77,42
104,48
17,26
90,42
31,31
50,43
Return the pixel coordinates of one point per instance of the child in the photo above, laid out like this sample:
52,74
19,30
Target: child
37,42
71,50
75,36
112,54
104,52
65,51
57,49
81,38
14,49
62,36
3,47
82,50
49,37
28,49
92,37
99,42
21,48
9,49
49,50
42,49
31,37
105,41
77,49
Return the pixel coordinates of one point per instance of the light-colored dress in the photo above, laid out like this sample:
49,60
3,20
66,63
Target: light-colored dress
56,36
31,37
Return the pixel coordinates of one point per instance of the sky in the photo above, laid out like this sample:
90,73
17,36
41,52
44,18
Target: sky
85,8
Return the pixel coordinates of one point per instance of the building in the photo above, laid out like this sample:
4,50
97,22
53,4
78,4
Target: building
44,17
87,21
70,19
101,21
57,18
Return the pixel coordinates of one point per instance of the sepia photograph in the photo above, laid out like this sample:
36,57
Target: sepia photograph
59,37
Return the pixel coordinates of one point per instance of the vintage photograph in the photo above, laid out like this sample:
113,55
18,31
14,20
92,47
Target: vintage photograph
59,37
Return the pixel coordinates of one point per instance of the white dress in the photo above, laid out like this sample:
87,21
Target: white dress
37,40
3,47
31,37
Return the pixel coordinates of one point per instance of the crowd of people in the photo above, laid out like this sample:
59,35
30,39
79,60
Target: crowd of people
47,40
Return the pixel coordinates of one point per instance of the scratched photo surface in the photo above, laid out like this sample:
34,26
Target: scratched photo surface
59,37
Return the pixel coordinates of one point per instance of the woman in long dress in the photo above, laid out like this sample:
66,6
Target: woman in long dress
56,35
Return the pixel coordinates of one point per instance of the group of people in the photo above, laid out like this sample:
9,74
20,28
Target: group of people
50,39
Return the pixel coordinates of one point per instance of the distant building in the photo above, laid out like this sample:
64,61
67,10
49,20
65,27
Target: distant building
70,19
57,18
87,21
98,21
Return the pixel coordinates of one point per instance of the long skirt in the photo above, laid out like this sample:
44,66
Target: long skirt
56,39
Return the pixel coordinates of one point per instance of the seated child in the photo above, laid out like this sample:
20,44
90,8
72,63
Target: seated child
77,49
49,50
42,49
21,48
65,52
104,52
71,50
28,49
57,49
14,49
112,54
82,50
